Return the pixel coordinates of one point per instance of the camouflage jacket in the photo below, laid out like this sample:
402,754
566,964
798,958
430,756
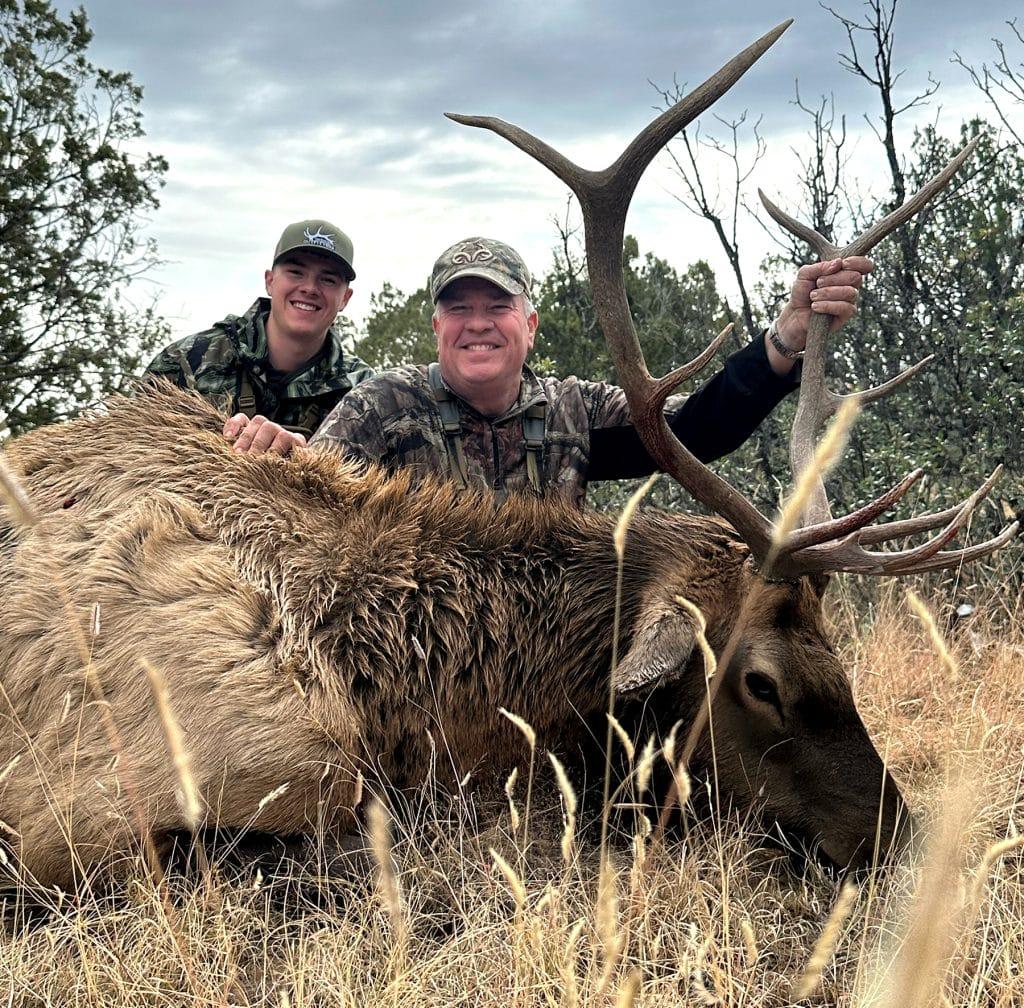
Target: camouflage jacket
231,357
393,420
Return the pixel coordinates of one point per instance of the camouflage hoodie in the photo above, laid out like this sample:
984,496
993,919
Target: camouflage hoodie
216,361
394,421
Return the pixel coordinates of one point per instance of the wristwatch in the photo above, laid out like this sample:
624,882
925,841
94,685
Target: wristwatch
773,337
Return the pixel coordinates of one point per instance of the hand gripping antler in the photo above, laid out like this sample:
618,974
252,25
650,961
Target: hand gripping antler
827,544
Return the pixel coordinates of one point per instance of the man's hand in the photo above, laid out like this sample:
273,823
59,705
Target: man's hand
260,435
828,288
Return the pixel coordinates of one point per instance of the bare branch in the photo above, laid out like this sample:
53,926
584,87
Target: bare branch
1004,83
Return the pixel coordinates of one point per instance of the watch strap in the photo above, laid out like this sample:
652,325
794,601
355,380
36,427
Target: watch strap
773,337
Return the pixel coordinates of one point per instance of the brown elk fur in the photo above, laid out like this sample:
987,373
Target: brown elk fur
313,621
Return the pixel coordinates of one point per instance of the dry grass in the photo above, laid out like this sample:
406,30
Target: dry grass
462,905
463,914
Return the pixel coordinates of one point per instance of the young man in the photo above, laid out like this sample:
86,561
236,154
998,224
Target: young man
481,417
280,367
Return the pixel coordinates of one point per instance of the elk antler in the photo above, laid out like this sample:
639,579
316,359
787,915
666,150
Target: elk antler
604,199
816,402
825,544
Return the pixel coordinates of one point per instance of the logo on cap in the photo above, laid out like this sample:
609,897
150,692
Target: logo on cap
481,257
468,253
319,239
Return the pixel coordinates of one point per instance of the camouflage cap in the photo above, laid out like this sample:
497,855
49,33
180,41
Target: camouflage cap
481,257
317,236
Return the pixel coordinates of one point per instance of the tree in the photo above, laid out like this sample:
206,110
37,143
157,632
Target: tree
1003,82
73,197
397,330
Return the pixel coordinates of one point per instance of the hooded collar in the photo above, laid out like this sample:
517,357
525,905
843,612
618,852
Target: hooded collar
324,372
531,391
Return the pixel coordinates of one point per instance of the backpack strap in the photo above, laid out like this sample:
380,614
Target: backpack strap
451,423
246,401
533,433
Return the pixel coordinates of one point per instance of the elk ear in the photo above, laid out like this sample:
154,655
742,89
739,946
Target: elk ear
659,652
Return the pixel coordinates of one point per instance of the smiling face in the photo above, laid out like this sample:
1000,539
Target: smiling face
483,337
306,291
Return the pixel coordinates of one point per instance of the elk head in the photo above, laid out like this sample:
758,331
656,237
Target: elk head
786,736
784,718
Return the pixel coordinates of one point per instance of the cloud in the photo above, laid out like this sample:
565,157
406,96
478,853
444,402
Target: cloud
270,112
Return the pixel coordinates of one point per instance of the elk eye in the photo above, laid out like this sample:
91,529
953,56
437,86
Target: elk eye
762,688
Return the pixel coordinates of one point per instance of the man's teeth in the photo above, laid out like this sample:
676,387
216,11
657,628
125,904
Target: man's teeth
482,346
302,306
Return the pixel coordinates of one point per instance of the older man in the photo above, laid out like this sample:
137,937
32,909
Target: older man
481,417
281,365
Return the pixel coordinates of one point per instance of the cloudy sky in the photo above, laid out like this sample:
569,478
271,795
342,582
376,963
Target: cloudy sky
273,112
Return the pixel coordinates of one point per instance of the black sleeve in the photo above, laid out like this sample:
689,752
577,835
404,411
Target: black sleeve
712,422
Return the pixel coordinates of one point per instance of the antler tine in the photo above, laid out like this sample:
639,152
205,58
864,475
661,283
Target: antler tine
848,554
865,242
817,514
617,182
925,551
568,171
667,385
953,558
839,528
622,176
875,534
824,248
877,392
827,559
870,238
630,165
872,535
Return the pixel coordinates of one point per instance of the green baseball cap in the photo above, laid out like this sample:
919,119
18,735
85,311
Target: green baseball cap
481,257
317,236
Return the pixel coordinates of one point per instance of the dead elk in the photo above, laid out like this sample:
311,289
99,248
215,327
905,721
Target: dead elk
313,623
